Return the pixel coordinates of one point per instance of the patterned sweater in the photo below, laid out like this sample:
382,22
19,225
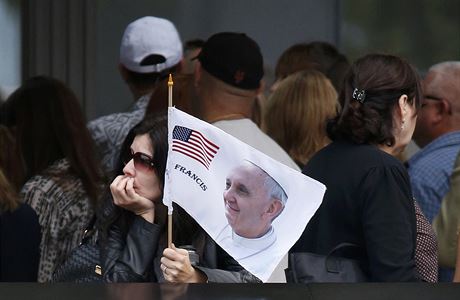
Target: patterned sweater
109,132
64,210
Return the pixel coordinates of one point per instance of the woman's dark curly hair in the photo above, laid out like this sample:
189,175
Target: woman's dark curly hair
384,78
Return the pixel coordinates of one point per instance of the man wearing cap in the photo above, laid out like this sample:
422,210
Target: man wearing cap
228,78
150,49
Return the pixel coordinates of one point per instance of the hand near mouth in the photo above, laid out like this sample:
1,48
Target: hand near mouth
125,196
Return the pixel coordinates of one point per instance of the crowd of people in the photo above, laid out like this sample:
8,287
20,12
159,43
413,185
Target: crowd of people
343,124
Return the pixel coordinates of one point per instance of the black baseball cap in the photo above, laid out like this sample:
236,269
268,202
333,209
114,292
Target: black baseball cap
233,58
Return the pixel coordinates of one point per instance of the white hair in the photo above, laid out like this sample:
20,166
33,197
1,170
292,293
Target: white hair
445,82
446,66
446,72
274,189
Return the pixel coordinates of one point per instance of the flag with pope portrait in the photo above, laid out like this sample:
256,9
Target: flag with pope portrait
253,206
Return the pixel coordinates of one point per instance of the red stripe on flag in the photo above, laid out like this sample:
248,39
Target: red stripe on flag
199,143
194,148
213,147
193,154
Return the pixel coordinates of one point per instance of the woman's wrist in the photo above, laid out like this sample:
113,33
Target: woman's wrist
199,276
148,215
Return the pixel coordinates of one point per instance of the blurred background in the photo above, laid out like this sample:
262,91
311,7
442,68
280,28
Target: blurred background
78,41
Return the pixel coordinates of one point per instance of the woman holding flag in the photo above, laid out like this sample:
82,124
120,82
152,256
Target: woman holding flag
135,231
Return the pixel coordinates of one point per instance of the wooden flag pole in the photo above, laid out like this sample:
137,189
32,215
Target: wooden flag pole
169,230
170,101
170,87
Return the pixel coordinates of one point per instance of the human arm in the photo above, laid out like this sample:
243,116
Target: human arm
129,252
219,267
426,251
176,267
457,265
125,196
388,224
446,223
129,257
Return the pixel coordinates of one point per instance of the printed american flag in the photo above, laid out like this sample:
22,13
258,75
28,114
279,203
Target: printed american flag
193,144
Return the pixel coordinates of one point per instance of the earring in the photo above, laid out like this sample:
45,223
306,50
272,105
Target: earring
402,124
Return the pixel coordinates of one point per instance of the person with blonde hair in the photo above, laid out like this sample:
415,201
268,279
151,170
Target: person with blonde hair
297,112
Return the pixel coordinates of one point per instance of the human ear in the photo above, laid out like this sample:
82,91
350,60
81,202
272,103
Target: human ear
444,107
403,109
274,209
403,105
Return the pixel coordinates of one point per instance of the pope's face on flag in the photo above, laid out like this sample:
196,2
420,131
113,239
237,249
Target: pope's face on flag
249,208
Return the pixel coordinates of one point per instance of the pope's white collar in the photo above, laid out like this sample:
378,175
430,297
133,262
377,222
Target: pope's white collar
263,242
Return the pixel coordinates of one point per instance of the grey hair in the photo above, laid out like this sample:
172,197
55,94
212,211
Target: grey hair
446,65
446,71
274,189
445,83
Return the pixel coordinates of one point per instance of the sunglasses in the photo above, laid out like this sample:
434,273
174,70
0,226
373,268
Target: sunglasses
142,162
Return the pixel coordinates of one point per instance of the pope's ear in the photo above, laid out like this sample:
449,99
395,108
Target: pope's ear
275,208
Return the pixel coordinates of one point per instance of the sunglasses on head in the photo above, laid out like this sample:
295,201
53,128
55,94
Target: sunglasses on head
142,162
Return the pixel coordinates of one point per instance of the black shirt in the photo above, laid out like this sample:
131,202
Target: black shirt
368,202
19,244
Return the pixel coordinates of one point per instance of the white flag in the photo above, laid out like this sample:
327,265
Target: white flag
254,207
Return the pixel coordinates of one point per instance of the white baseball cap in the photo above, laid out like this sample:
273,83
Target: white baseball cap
145,41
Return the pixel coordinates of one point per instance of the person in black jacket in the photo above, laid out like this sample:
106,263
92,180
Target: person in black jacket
369,201
134,231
